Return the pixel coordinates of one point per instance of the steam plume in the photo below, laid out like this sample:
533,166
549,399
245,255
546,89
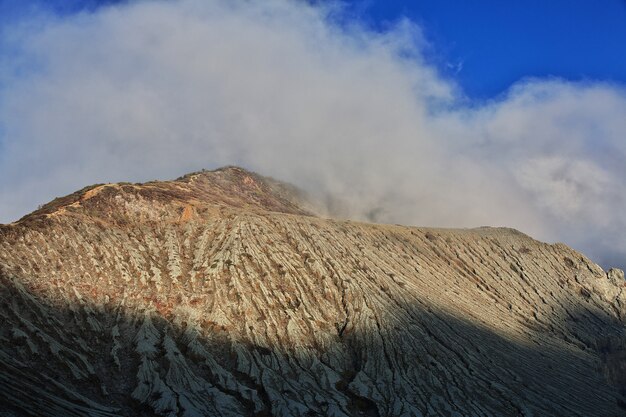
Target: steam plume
156,89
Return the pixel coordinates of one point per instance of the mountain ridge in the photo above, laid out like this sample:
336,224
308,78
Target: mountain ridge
216,294
246,188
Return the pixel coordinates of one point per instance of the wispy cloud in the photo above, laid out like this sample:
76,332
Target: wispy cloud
155,89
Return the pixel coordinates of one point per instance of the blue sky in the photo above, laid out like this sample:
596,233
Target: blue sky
484,45
11,9
495,43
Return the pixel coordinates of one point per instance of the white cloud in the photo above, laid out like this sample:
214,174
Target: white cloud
563,185
156,89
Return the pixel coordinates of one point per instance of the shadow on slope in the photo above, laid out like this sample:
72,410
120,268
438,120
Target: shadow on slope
77,359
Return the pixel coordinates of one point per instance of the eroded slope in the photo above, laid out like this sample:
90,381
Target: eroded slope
219,295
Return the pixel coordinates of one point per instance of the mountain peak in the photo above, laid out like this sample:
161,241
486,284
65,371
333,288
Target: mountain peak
227,186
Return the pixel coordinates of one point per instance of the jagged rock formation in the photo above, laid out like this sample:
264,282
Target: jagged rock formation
219,294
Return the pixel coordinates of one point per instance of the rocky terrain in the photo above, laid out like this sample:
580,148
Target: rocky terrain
221,293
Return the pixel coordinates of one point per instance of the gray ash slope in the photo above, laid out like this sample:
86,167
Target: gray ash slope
218,294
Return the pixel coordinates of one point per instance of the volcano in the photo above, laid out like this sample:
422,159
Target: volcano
223,293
